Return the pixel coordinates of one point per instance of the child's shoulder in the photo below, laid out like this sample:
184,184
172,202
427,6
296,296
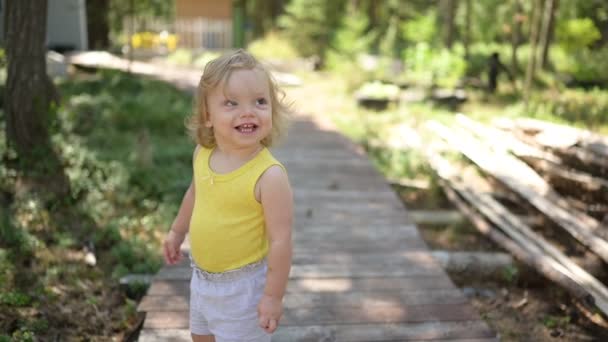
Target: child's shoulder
200,149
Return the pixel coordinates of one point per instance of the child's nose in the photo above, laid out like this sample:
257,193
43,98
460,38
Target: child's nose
248,111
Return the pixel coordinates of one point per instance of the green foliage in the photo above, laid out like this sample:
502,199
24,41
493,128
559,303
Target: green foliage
511,274
311,23
552,321
583,64
15,298
426,65
351,39
272,46
421,29
133,255
350,42
588,108
390,42
575,34
114,163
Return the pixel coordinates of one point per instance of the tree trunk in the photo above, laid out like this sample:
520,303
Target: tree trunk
516,35
531,69
97,24
372,14
546,34
467,29
28,96
448,8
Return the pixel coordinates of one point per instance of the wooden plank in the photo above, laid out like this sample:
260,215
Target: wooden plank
361,247
386,195
381,284
336,182
526,182
428,331
436,217
168,288
379,313
353,299
404,230
392,269
367,313
355,236
327,285
470,331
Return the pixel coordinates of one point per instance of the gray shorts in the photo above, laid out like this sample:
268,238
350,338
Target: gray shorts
225,304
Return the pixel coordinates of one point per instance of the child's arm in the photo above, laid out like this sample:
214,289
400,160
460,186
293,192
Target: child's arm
176,235
277,201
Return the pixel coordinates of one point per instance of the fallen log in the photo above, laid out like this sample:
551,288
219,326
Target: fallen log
551,132
542,264
514,228
528,244
539,159
479,264
584,149
503,141
527,183
435,217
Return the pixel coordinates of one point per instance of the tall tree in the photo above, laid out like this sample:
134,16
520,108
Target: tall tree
29,94
448,10
98,25
467,29
546,34
534,29
518,17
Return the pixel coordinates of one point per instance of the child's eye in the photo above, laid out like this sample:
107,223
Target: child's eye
261,101
229,103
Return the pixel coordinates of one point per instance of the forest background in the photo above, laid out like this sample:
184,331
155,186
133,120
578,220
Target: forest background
98,175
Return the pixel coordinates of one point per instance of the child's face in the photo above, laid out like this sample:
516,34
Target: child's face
240,109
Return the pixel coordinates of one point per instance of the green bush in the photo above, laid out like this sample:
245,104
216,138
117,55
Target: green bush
583,65
444,67
272,47
588,108
575,34
421,29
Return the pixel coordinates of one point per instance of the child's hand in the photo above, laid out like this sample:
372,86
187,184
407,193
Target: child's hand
270,310
171,247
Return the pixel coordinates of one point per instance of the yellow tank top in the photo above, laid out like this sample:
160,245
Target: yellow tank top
227,227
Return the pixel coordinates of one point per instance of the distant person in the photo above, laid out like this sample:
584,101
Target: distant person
494,69
238,208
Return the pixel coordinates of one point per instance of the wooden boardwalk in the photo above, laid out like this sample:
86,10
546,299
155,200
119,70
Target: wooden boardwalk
361,271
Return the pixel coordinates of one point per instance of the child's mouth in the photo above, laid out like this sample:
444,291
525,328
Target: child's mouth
246,128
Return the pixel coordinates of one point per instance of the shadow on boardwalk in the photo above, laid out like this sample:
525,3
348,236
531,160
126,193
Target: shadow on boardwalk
361,271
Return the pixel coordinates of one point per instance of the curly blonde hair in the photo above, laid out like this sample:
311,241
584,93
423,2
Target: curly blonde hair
217,72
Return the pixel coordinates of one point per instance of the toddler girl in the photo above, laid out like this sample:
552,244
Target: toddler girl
238,208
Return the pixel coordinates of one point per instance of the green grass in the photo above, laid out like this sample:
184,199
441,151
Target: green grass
125,150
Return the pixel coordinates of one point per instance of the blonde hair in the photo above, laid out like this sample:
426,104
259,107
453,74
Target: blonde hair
217,72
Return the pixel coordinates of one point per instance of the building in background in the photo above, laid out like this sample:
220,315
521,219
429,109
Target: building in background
66,25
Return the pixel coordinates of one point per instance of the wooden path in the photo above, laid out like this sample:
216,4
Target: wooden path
361,271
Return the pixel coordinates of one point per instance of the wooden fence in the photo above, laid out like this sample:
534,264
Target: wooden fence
193,33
